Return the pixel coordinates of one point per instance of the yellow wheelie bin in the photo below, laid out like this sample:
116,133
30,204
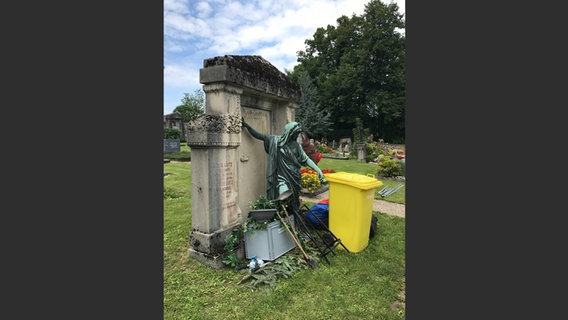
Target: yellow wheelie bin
351,198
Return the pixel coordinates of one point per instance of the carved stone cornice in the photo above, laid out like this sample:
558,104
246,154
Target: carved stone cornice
214,130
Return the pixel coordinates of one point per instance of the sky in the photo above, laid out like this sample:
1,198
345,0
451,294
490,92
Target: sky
273,29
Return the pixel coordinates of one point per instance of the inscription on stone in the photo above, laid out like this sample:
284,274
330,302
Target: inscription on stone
226,183
253,114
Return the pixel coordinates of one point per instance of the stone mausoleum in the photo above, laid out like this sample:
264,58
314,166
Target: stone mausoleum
228,165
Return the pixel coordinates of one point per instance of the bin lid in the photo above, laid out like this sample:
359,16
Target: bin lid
356,180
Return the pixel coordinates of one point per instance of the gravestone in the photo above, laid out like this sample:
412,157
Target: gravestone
171,145
228,165
344,141
361,152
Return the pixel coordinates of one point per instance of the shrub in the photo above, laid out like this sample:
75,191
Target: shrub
374,150
172,133
323,148
388,167
179,156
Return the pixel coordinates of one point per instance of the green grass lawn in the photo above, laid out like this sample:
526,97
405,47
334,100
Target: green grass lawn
364,285
350,165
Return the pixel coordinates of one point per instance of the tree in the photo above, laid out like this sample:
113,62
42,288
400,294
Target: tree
192,105
315,121
172,133
358,70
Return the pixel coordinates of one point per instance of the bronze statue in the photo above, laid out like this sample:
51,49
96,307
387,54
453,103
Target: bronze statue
285,159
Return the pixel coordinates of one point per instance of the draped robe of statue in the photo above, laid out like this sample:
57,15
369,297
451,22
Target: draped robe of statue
285,160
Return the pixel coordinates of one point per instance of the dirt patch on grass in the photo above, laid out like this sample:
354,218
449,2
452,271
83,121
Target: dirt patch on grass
400,303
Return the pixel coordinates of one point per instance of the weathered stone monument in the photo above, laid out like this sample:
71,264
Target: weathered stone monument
228,167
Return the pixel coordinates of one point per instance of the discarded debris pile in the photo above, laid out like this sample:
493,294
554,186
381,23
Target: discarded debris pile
387,191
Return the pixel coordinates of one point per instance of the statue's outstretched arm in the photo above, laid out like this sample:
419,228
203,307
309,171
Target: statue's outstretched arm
253,132
314,166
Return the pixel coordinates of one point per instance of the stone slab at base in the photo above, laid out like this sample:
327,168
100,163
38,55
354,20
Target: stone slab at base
213,261
208,248
335,155
208,260
305,193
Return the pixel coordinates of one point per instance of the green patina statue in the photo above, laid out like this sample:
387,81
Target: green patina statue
285,159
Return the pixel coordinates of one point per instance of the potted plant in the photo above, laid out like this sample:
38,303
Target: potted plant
262,234
262,210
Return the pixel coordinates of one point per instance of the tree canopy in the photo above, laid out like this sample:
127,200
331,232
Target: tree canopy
193,105
314,120
358,70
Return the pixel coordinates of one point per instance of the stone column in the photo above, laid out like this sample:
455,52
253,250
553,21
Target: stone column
213,140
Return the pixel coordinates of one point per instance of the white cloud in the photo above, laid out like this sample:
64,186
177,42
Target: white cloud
203,9
283,54
179,6
237,26
181,75
181,27
275,30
